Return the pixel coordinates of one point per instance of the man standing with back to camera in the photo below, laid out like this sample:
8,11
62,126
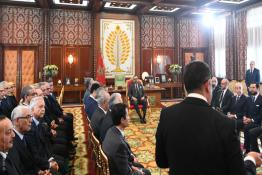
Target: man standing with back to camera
192,138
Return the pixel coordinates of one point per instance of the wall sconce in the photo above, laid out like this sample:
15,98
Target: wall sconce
70,59
158,59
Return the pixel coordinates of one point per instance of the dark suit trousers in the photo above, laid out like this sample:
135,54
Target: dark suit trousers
247,129
254,134
140,102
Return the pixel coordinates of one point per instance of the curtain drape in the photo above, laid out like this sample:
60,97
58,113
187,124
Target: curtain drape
220,47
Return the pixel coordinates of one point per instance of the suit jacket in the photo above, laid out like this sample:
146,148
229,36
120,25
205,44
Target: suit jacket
6,107
226,101
252,78
90,106
38,145
193,133
55,107
239,107
26,160
255,109
9,166
96,121
134,92
12,101
106,123
118,152
215,96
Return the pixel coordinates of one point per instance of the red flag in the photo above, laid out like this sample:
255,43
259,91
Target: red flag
100,70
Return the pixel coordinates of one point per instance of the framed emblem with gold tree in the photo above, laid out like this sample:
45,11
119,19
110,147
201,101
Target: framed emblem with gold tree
117,39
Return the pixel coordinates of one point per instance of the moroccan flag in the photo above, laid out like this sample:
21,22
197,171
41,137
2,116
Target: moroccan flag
100,70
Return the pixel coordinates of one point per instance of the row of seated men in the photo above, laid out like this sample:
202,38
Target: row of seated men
245,110
36,136
108,117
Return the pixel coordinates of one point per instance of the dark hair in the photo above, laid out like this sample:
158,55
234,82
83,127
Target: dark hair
118,111
257,85
195,74
94,87
2,117
26,91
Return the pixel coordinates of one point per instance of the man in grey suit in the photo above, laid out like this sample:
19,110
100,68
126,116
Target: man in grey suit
121,159
102,98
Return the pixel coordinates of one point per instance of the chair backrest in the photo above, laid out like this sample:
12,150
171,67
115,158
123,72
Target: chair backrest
104,162
95,144
119,80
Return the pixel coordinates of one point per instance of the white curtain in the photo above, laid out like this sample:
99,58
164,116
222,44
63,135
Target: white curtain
220,46
254,33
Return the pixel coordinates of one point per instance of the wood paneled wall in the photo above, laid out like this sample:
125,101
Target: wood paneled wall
59,32
82,65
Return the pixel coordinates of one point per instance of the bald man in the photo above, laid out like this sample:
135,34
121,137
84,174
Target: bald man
225,97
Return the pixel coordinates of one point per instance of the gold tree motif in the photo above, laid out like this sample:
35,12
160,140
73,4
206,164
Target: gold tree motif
117,48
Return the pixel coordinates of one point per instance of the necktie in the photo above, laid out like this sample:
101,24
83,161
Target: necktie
253,99
221,98
24,142
237,98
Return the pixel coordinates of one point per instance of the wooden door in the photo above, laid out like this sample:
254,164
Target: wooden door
191,54
20,66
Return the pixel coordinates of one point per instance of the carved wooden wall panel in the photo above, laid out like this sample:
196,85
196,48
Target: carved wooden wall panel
21,25
10,65
28,62
157,31
69,27
192,33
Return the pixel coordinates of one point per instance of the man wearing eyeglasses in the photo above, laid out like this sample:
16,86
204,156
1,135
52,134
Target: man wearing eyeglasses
22,120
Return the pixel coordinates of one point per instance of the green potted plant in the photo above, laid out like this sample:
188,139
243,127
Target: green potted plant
175,69
50,71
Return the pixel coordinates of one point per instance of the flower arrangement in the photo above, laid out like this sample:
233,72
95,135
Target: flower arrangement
50,70
175,69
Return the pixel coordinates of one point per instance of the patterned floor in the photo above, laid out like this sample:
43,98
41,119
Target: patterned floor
140,136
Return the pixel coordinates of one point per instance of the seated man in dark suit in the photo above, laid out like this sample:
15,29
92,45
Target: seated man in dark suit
216,147
22,120
57,110
107,121
121,159
253,119
10,90
102,98
225,97
8,164
137,97
215,93
36,138
5,105
90,102
27,93
238,106
252,75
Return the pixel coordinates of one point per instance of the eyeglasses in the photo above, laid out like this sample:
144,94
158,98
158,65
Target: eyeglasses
26,117
33,94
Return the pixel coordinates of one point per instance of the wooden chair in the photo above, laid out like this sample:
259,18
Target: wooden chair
104,163
130,106
89,137
95,146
